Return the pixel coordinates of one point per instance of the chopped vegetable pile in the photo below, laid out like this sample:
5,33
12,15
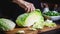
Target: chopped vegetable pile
52,13
49,23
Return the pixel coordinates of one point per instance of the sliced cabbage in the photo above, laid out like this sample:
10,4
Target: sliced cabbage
38,25
50,23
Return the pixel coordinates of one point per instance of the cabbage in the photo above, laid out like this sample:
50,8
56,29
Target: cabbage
49,23
21,19
38,25
34,19
28,19
6,24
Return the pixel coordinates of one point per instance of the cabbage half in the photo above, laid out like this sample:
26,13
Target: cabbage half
6,24
28,19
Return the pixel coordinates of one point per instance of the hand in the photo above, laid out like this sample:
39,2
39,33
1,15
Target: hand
46,5
26,5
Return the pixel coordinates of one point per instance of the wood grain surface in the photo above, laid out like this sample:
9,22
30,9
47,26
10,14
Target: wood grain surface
27,31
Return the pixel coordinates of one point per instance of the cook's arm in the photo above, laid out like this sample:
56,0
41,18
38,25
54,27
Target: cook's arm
27,6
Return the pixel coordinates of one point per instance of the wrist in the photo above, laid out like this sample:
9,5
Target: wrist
17,1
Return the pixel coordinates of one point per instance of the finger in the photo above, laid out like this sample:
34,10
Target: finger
25,9
32,7
28,9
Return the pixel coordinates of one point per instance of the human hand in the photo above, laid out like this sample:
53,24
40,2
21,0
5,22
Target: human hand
25,5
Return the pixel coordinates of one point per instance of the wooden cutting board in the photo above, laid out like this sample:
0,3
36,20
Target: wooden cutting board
27,31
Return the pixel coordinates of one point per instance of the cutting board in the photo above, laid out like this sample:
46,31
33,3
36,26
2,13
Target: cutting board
27,31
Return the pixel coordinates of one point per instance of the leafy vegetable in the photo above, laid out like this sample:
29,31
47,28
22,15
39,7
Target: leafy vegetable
21,19
38,25
20,32
52,13
41,25
32,29
28,19
6,24
50,23
34,19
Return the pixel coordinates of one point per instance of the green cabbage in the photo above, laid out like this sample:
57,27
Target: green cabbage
6,24
49,23
28,19
38,25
